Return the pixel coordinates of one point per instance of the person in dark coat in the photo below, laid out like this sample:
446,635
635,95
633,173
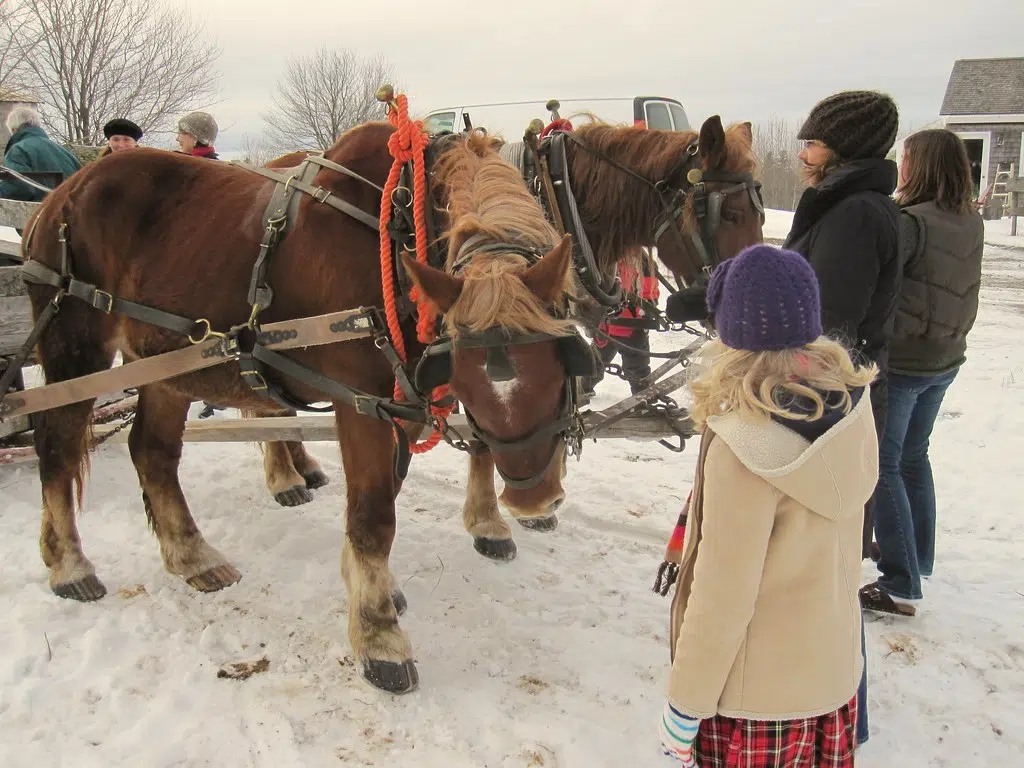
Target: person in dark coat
121,134
942,238
640,283
30,150
847,226
196,133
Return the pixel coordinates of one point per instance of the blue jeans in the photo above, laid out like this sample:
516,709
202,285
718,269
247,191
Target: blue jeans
905,498
862,691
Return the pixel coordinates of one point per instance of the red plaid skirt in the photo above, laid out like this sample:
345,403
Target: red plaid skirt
827,741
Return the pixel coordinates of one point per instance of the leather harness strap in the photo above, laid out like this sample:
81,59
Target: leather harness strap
214,350
40,274
320,194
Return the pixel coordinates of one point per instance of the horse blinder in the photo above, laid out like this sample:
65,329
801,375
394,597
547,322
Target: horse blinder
435,366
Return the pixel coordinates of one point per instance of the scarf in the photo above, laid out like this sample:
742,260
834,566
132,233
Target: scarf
201,151
669,569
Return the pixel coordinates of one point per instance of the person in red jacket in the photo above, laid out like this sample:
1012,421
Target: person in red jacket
640,283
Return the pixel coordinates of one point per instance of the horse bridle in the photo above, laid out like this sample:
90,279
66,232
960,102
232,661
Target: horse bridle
499,368
686,180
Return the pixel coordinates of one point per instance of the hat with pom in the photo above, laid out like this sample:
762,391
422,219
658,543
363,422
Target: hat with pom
765,299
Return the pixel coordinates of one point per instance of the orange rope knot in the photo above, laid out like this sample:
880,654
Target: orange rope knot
406,145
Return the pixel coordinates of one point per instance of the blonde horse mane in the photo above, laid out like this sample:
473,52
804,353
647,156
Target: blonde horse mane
487,197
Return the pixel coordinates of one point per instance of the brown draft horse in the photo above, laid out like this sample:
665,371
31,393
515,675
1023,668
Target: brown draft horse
181,234
615,171
619,211
290,159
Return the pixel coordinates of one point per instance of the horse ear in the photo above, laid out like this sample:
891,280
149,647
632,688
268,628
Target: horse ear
546,279
440,288
746,130
711,143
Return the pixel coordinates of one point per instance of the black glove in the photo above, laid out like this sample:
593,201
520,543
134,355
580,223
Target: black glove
688,305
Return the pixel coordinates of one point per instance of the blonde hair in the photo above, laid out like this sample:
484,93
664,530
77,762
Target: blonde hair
757,385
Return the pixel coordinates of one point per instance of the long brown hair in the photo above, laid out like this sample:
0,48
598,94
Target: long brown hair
937,170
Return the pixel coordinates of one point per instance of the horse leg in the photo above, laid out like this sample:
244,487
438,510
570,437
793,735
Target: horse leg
307,466
287,486
155,446
72,346
380,644
287,483
61,438
480,514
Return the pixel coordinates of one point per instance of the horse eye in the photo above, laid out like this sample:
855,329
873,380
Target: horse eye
730,216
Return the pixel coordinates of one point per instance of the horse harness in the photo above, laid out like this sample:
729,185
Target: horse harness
247,344
546,169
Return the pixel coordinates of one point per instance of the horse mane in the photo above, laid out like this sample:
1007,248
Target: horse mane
652,154
486,196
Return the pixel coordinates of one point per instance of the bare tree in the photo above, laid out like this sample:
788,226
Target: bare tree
256,150
323,94
14,43
776,145
97,59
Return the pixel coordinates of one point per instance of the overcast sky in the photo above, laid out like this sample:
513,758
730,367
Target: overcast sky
743,59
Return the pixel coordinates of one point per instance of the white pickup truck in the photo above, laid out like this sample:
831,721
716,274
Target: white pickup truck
510,119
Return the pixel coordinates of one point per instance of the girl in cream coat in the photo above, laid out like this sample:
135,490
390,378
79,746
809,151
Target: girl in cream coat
766,653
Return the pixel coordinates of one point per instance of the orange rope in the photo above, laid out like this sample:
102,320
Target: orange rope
407,144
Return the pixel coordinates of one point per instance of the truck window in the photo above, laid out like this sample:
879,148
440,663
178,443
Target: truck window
439,122
679,117
657,116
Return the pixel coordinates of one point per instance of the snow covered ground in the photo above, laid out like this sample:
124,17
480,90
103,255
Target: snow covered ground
557,659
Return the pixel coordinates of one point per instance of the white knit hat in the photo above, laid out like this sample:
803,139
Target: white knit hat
201,125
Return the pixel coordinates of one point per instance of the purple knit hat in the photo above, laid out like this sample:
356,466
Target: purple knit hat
765,299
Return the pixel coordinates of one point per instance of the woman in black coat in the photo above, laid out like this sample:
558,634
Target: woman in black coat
847,226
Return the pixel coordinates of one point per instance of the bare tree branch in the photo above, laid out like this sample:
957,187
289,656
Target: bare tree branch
15,41
256,150
323,94
91,60
776,145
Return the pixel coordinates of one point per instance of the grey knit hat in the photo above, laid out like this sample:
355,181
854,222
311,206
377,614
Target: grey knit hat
201,125
853,124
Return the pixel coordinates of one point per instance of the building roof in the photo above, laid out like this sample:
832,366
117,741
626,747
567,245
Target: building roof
17,97
985,87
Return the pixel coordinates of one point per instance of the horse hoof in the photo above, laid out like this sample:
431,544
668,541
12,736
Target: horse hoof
495,549
316,479
401,604
216,578
84,590
391,677
294,496
544,524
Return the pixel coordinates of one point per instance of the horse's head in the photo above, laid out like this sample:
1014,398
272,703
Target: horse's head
511,358
692,195
712,202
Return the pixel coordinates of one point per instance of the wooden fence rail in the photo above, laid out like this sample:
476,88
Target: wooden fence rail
14,213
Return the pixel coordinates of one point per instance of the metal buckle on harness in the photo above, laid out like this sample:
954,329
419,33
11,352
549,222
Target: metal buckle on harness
102,301
255,381
320,194
207,333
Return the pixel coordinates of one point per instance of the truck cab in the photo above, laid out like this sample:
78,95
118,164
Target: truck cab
510,119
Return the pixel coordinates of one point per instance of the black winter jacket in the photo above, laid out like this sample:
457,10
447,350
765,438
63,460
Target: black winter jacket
847,227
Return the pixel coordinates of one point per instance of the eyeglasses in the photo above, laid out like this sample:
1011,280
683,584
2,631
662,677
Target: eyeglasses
812,143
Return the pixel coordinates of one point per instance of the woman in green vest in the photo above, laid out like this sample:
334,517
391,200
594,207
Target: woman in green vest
941,243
